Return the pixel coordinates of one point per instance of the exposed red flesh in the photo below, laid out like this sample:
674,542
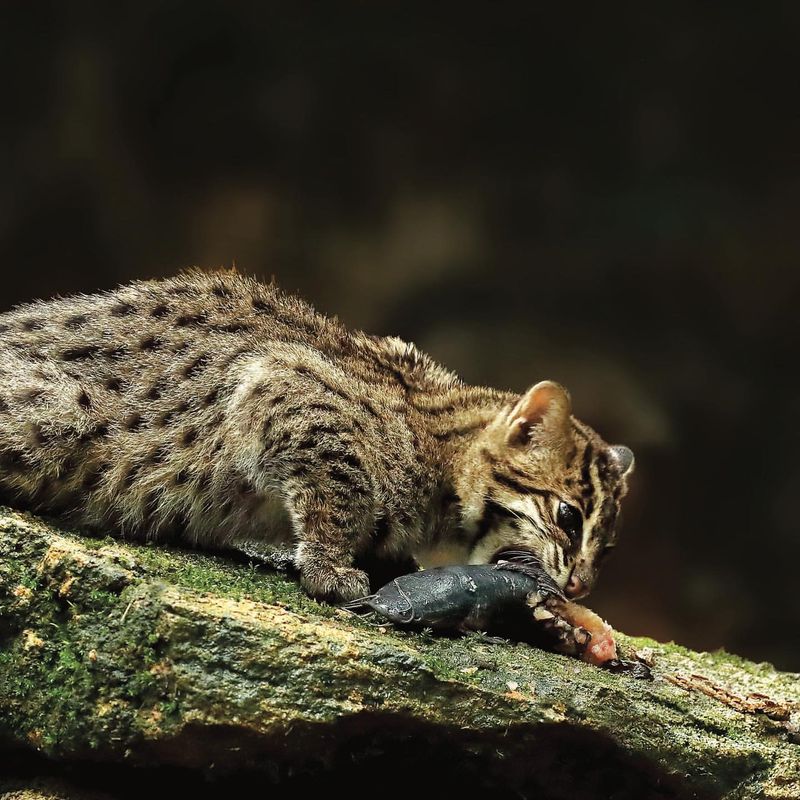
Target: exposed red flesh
601,647
577,630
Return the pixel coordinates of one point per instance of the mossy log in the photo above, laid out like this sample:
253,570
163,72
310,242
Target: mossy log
140,656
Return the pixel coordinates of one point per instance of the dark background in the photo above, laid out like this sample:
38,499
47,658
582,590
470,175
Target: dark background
606,198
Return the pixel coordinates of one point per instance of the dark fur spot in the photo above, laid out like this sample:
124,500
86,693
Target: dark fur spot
123,310
191,319
154,392
460,431
181,477
3,405
275,445
113,384
487,456
36,435
84,401
159,455
188,437
330,455
115,351
261,305
133,422
321,407
32,325
436,411
169,416
339,475
150,343
80,353
4,329
401,379
151,503
204,481
93,477
220,290
352,460
316,431
258,390
131,473
161,310
245,488
196,365
76,321
211,397
370,409
236,355
573,452
11,459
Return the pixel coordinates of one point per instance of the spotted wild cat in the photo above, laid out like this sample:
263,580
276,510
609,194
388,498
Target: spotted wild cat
214,409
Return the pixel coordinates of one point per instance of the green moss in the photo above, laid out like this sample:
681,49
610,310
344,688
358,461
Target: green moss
218,575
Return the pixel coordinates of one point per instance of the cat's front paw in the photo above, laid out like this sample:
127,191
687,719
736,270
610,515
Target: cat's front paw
333,584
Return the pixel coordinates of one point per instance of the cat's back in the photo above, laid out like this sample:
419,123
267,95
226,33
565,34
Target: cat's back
124,393
155,321
128,402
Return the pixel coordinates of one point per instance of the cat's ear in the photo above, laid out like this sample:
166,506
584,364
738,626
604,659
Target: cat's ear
541,416
623,458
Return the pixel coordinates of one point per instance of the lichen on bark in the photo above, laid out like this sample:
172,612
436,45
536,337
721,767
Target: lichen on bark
137,654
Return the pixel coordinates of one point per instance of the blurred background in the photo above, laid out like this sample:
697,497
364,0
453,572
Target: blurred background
606,198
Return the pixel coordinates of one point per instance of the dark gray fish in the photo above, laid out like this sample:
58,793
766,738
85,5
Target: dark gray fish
458,597
502,597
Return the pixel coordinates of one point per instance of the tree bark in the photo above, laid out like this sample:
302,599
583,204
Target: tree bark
138,656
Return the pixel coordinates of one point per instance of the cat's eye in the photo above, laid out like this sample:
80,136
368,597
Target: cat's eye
570,521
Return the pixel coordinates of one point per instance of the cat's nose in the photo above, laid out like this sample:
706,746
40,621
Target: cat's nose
575,587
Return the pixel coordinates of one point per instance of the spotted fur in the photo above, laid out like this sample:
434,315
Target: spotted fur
214,409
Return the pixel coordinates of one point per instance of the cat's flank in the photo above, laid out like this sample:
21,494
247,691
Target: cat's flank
214,409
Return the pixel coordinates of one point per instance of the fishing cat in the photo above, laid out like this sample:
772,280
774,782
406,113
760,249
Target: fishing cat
213,409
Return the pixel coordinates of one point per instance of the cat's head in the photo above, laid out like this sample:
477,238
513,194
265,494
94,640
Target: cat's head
540,482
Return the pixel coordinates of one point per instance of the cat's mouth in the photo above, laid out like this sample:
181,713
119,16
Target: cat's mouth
523,560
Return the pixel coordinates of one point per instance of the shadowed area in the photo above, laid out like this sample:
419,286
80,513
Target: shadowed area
395,757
